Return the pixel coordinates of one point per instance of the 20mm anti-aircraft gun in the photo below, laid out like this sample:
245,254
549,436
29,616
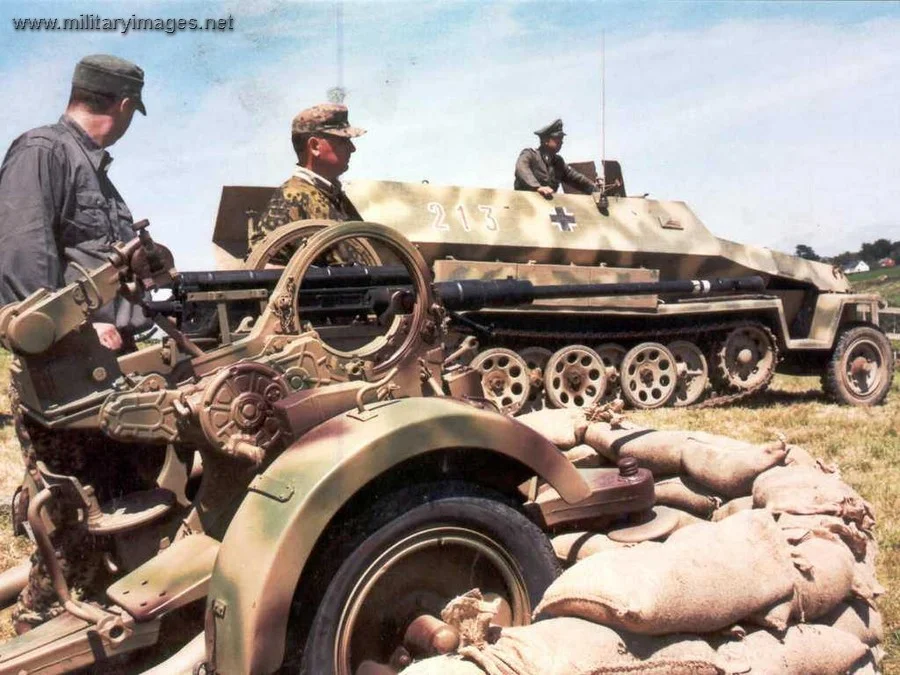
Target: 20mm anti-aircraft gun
346,493
808,322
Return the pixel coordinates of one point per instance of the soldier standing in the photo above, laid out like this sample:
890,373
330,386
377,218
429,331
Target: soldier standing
59,211
542,169
58,207
321,139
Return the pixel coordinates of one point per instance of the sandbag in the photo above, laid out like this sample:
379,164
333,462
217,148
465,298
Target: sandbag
732,507
725,466
443,665
570,646
704,578
825,569
565,646
806,491
857,541
804,650
857,618
684,494
658,451
797,456
564,427
585,457
574,546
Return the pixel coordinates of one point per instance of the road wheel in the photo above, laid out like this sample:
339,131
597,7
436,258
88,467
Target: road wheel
861,367
408,556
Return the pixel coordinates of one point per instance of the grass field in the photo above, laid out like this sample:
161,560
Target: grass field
864,443
885,282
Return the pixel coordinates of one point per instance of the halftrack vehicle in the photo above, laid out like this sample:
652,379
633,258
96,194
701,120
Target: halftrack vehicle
655,350
322,500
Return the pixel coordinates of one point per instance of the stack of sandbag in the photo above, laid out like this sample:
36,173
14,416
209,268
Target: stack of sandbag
769,570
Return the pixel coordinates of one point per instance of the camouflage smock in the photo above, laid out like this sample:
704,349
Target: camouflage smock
305,196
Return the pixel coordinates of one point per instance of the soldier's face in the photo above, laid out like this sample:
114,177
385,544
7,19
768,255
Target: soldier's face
122,114
553,144
332,155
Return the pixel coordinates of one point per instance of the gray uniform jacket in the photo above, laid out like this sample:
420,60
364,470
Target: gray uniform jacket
58,207
536,169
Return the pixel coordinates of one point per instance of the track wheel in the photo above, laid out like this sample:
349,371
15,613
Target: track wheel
612,354
504,378
575,377
745,359
536,359
861,367
405,557
693,373
649,375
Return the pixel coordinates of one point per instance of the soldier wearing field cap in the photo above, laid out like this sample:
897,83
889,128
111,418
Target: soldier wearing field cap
59,211
542,169
321,137
58,207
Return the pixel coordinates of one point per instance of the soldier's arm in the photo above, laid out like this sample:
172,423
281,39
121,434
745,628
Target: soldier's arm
32,191
572,177
524,172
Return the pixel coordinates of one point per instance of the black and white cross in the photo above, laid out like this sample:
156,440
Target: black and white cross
564,220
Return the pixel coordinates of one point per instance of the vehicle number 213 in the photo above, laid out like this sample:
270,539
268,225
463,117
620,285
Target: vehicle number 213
485,218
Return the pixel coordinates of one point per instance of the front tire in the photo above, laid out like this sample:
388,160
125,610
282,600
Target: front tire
408,555
861,367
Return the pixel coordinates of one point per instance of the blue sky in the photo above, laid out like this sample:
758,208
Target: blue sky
776,122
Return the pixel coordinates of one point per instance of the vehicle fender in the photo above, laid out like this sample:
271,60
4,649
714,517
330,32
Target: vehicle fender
289,506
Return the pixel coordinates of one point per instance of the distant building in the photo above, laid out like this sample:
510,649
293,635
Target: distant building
859,266
886,262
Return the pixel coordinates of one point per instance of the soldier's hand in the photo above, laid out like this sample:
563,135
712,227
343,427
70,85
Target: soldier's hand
109,335
545,192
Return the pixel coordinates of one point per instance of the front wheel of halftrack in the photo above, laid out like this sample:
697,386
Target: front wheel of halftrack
861,367
407,557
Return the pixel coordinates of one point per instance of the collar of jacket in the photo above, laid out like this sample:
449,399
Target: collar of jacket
315,179
98,157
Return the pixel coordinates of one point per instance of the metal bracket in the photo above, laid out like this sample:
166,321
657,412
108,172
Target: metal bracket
272,488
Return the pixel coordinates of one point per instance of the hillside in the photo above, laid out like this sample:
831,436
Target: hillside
885,282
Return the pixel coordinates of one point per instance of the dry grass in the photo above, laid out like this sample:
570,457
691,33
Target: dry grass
865,443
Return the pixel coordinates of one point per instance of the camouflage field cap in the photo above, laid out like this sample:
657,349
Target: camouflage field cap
325,118
106,74
552,130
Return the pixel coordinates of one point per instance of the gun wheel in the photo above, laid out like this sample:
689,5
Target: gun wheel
861,367
408,556
536,359
745,359
693,373
649,375
279,245
612,354
575,377
504,378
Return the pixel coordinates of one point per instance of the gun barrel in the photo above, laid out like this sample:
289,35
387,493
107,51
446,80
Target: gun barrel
475,294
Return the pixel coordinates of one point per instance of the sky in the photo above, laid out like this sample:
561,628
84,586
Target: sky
778,123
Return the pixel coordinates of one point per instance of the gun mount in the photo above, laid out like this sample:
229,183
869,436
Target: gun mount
279,442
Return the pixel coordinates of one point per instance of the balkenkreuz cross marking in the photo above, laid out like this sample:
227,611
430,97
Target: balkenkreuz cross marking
564,220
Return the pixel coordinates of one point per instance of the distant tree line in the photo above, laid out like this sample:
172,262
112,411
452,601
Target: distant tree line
871,253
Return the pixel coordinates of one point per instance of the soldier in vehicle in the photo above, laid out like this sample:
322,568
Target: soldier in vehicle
59,211
58,207
321,137
542,169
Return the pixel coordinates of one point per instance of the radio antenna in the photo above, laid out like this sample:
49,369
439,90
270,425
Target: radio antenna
603,102
338,94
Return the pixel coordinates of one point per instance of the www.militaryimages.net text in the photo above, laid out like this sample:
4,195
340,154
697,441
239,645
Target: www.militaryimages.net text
134,23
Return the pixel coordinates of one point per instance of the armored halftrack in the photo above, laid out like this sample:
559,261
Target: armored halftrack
322,499
655,350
